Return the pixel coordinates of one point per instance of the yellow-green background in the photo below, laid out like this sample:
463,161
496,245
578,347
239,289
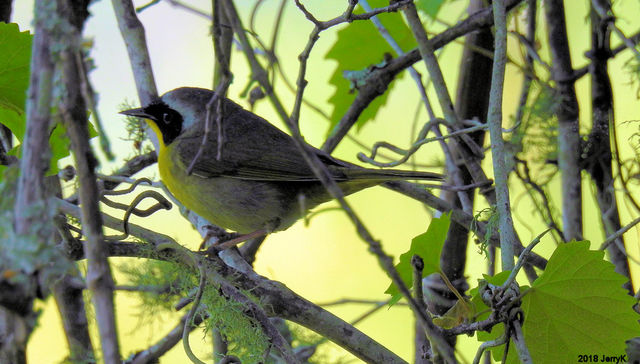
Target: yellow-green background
324,261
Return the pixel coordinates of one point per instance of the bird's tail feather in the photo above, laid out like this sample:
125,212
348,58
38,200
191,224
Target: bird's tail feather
392,174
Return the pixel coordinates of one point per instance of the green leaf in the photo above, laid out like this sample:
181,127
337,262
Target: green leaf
15,47
576,307
428,246
461,312
429,7
583,297
14,120
60,147
59,144
92,129
360,45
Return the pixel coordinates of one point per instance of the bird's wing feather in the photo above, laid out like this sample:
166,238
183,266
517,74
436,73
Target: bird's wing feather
260,151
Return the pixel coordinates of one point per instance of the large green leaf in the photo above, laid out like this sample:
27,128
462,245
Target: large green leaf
15,47
360,45
428,246
576,307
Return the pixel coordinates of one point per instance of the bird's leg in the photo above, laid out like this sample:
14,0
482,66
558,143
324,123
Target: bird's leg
233,239
221,244
215,232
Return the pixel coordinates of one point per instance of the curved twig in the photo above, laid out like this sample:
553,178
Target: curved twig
189,319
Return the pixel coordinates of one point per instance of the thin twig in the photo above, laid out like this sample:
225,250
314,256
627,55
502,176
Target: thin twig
528,42
131,167
122,179
484,325
406,154
489,344
546,203
418,265
446,104
135,40
344,301
396,48
607,14
154,352
521,346
189,319
613,237
523,258
162,204
217,98
128,190
506,229
189,8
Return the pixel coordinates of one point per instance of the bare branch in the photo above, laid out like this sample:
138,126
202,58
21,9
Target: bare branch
165,344
135,40
521,346
73,109
277,299
31,199
501,173
568,126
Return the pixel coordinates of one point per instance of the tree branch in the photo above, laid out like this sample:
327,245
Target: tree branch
31,200
568,127
135,40
498,151
73,109
276,299
598,146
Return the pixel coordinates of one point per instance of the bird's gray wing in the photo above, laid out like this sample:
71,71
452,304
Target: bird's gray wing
252,149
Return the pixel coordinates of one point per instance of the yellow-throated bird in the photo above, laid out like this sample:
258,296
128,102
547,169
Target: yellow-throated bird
255,187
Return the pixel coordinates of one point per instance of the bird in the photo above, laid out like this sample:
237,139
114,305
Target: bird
261,182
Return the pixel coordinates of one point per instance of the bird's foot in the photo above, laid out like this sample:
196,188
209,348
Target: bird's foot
215,235
233,239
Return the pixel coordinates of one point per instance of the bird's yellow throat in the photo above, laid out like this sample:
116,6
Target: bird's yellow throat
163,156
157,131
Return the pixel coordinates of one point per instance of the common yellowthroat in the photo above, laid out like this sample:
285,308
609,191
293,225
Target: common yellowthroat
258,182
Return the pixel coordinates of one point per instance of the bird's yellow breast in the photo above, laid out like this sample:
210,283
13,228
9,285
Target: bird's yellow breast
171,175
164,160
166,169
242,206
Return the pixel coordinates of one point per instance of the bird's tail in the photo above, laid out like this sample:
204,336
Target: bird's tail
391,174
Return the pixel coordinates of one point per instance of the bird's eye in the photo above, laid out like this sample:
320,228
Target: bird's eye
166,117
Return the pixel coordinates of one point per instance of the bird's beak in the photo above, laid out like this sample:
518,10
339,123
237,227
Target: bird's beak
139,112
